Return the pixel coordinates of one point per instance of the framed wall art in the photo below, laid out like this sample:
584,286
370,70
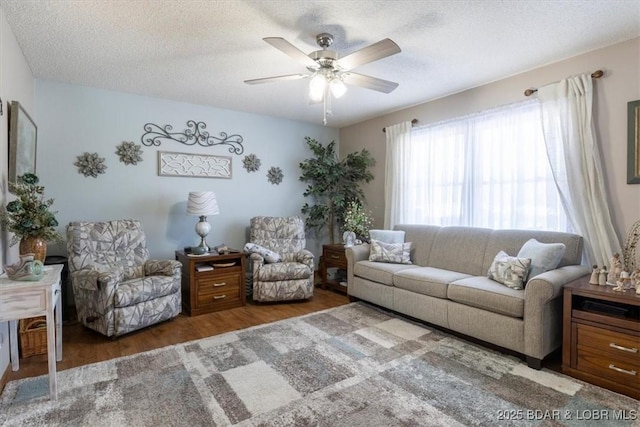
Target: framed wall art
193,165
23,137
633,147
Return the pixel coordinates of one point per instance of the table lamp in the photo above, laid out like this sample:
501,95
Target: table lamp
202,203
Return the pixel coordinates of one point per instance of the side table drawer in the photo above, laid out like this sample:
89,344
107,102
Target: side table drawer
603,366
616,345
335,258
24,304
221,289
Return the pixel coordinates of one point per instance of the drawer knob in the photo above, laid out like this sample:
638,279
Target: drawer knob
219,296
624,371
217,285
619,347
335,256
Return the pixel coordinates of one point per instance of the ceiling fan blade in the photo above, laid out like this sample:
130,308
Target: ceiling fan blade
369,82
277,79
295,53
379,50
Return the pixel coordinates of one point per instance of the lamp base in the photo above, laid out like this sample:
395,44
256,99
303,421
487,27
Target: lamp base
202,229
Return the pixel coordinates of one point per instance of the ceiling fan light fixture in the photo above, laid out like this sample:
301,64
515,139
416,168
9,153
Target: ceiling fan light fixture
338,88
317,86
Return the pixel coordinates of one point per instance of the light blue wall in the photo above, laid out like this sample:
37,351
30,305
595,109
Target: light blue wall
74,119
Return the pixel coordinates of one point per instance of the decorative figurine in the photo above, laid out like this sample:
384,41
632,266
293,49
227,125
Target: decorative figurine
602,276
594,276
615,269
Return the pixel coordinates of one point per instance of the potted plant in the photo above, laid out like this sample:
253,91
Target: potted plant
357,223
29,217
333,183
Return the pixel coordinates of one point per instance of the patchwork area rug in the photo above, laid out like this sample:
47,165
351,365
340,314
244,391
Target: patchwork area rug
350,366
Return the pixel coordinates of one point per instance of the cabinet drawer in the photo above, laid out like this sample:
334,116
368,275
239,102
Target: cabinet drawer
616,345
335,258
220,283
220,297
621,371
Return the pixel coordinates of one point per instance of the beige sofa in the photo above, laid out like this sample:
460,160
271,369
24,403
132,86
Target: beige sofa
447,285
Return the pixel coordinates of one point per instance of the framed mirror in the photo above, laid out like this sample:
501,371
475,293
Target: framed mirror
633,149
23,136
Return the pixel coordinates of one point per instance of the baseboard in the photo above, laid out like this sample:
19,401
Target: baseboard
4,379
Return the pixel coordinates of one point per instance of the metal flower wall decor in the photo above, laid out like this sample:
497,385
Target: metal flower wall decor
251,163
90,164
194,134
275,175
129,153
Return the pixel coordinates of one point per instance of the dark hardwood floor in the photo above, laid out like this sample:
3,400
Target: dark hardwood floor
82,346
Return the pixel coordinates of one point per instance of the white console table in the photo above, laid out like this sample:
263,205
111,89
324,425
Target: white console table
19,300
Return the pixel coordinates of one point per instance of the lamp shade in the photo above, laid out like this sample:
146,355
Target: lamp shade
202,203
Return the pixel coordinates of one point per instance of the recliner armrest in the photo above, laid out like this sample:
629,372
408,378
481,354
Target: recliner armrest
94,280
256,260
304,257
163,267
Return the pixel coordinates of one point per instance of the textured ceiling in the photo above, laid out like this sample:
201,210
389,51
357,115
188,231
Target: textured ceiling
201,51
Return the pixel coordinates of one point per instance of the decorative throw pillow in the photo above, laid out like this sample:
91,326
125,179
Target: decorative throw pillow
398,253
509,270
268,255
387,236
544,256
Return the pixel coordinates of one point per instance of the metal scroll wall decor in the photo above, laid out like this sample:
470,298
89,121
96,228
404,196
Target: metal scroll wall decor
90,164
251,163
194,134
275,175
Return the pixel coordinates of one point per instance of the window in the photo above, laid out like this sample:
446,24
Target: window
485,170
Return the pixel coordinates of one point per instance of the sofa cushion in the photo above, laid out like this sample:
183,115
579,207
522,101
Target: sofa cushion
509,270
482,292
427,280
387,236
398,253
544,256
268,255
380,272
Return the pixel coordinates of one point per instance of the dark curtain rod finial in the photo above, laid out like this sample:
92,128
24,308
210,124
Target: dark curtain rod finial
595,75
413,123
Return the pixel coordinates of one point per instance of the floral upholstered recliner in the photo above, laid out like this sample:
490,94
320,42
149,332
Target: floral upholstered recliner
291,278
116,288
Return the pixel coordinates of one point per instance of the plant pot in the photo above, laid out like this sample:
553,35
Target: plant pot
34,245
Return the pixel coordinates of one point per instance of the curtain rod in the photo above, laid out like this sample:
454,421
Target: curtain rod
595,75
413,123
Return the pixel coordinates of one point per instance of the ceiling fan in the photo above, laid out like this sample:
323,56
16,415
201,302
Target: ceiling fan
329,72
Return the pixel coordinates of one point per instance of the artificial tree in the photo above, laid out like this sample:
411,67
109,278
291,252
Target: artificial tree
333,183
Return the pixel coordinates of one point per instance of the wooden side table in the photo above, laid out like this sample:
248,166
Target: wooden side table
601,336
334,256
212,282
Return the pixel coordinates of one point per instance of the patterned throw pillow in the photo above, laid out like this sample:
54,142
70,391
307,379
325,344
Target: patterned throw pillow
398,253
268,255
544,256
509,270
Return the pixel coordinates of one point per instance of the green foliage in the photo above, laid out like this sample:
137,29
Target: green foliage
333,183
29,214
358,220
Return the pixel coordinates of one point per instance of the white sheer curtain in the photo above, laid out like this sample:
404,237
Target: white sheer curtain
397,173
487,170
566,109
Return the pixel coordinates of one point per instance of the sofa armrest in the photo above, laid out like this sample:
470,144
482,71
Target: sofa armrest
163,267
355,254
543,309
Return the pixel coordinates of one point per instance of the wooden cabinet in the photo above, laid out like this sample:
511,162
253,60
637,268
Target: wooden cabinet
601,336
334,268
212,282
